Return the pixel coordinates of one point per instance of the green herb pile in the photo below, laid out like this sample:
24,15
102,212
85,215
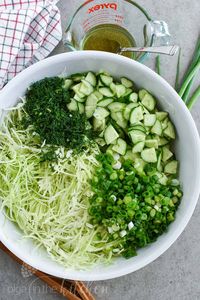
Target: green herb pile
133,208
46,110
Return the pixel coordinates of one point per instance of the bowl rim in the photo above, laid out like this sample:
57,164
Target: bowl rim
195,193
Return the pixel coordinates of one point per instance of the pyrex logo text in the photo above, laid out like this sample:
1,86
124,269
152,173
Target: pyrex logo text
102,6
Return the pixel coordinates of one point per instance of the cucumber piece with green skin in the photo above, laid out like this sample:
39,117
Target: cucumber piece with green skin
120,146
119,119
133,97
164,123
136,115
128,92
105,102
73,105
137,126
128,109
130,155
100,141
90,105
162,141
166,154
106,80
81,107
76,89
110,134
99,125
142,93
149,102
138,147
78,77
171,167
170,131
120,90
77,98
113,88
157,128
126,82
101,113
151,143
91,78
161,115
67,84
159,164
105,91
98,95
149,155
116,106
137,136
149,120
139,165
86,88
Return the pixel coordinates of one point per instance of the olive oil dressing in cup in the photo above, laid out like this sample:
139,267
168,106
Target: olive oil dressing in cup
110,25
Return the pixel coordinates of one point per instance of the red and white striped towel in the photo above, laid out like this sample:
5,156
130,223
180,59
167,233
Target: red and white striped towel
29,31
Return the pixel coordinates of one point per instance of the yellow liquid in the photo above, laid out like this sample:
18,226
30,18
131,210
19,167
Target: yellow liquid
109,38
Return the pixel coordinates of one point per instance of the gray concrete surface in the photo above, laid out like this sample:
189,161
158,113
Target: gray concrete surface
176,274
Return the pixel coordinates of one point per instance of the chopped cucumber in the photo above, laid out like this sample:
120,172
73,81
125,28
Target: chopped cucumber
149,155
119,119
126,82
116,106
81,107
73,105
130,155
142,93
149,102
137,136
91,78
171,167
106,80
113,88
139,165
76,89
68,83
138,147
164,123
86,88
101,113
120,146
161,115
120,90
105,102
149,120
128,109
99,124
157,128
159,164
151,143
90,105
166,154
133,97
110,134
98,95
162,141
105,91
170,131
136,115
101,142
138,126
77,98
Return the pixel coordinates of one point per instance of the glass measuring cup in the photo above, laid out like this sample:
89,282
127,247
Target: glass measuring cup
122,14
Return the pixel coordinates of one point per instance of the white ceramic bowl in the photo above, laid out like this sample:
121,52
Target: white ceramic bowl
187,150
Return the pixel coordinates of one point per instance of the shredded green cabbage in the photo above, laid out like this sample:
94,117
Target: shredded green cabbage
49,200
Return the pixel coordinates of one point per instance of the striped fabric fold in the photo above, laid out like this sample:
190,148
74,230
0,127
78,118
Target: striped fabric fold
29,31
